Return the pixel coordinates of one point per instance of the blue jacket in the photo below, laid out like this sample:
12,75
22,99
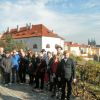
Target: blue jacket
15,61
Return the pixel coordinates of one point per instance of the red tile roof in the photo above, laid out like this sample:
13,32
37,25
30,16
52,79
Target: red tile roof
84,45
35,31
71,44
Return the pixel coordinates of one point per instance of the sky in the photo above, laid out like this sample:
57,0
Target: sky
75,20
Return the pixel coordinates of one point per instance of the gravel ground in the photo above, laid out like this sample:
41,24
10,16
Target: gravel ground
23,92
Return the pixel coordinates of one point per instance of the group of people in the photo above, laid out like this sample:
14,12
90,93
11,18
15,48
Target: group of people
57,69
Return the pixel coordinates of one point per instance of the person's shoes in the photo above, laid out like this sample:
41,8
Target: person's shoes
21,83
36,87
9,83
50,89
52,95
17,82
62,99
6,85
12,82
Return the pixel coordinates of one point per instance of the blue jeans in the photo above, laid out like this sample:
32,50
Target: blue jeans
15,75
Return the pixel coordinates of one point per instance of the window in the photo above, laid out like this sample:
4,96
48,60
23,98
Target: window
56,45
35,46
48,46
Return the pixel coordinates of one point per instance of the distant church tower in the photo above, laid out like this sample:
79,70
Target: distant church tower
92,42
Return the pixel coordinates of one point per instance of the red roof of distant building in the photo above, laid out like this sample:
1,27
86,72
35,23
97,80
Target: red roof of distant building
33,31
84,45
71,44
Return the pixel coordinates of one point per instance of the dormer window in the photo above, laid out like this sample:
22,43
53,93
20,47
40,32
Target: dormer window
35,46
48,46
56,45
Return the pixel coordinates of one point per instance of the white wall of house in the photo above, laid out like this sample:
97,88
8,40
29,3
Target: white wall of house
99,51
29,42
42,42
66,47
52,42
75,50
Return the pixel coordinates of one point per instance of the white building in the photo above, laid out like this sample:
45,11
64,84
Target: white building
37,37
74,48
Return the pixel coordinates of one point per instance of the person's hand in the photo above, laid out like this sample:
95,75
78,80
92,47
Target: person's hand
30,64
59,78
54,75
74,80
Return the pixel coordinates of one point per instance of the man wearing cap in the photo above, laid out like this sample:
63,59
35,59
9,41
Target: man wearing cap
59,53
66,71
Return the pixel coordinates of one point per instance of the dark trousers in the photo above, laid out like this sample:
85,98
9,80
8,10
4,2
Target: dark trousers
53,84
69,88
7,77
15,75
40,76
31,78
22,75
1,75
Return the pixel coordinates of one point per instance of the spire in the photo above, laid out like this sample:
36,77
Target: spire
88,41
94,41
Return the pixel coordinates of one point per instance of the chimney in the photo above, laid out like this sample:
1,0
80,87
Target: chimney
52,31
17,28
30,26
7,30
27,27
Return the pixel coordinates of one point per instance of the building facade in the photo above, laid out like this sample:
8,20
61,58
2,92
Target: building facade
36,37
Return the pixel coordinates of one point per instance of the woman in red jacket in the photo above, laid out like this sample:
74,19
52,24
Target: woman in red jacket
54,61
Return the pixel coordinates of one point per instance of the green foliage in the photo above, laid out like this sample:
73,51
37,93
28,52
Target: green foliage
89,74
2,43
9,43
76,58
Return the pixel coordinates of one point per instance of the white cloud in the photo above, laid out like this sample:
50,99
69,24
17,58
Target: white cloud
91,4
72,26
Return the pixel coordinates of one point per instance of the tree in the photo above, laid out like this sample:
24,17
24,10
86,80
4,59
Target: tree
9,43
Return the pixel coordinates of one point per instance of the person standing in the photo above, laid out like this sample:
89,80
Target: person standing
47,73
66,71
54,62
6,64
15,68
23,66
1,69
40,71
31,66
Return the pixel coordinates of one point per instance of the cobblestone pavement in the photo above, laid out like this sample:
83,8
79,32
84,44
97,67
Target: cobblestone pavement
23,92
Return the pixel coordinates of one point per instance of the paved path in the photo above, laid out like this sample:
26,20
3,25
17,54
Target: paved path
22,92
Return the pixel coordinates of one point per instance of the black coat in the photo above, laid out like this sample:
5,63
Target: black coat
23,63
66,69
41,65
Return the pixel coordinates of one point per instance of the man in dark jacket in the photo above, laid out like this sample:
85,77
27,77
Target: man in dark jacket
40,71
1,69
22,67
6,64
66,71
